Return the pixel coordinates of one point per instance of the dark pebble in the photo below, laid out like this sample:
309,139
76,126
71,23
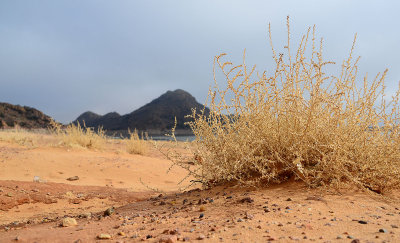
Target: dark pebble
109,211
246,200
362,222
74,178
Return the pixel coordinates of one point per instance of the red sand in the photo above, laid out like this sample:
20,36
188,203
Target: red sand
32,211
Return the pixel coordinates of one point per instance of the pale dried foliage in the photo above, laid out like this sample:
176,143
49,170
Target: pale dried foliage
74,136
136,144
298,122
79,136
19,136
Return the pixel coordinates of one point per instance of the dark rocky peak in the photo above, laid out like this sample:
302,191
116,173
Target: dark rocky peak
87,117
158,115
111,115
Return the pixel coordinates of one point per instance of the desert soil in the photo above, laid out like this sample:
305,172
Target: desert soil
35,198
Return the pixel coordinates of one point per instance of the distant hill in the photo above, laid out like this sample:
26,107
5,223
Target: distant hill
23,116
158,115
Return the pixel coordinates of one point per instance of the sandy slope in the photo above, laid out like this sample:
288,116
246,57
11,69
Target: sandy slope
32,211
115,168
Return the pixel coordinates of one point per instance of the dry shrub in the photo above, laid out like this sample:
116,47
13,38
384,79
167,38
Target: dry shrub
298,122
19,136
135,144
79,136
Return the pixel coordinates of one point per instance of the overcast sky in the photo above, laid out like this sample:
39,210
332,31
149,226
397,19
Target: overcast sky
65,57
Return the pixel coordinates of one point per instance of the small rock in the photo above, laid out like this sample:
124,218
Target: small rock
201,237
289,199
121,233
202,201
362,222
382,230
355,241
66,222
86,215
240,220
201,215
394,226
104,236
109,211
202,209
246,200
249,216
74,178
339,237
168,239
175,232
9,194
136,235
149,236
186,238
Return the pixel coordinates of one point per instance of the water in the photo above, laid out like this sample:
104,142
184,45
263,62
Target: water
185,138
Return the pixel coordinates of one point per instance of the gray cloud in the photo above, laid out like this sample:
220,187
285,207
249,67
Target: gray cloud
66,57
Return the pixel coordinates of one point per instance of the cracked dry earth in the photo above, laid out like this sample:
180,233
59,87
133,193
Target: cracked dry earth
291,212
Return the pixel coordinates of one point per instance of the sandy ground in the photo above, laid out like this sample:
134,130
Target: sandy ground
31,211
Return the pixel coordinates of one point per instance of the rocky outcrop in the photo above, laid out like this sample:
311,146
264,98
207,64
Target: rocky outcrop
23,116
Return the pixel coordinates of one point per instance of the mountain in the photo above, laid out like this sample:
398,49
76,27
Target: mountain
23,116
158,115
88,117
